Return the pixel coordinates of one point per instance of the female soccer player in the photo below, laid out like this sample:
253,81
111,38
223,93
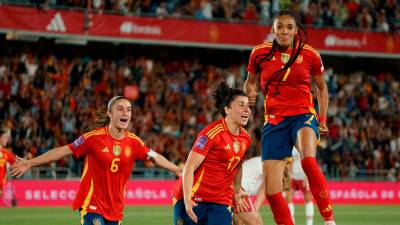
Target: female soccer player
212,173
284,69
110,153
5,157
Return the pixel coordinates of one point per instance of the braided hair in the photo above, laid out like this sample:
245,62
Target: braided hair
298,43
225,95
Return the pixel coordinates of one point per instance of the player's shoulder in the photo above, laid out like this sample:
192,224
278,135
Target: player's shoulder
95,133
311,50
213,129
133,137
244,132
262,47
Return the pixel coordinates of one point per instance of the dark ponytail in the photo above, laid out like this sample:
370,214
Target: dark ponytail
224,95
298,43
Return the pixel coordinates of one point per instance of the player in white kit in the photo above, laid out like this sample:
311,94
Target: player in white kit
253,184
299,182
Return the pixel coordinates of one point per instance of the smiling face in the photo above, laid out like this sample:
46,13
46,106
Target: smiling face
284,29
239,110
120,114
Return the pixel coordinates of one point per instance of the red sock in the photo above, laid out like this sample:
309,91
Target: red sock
280,209
318,186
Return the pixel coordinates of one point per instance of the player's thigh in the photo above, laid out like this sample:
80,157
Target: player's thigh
249,218
219,215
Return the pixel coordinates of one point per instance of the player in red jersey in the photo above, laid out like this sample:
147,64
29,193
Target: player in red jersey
285,69
5,157
212,173
110,153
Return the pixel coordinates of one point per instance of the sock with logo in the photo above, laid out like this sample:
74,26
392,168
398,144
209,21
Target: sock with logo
319,187
280,209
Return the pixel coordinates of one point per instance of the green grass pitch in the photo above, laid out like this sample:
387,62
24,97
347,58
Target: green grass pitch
162,215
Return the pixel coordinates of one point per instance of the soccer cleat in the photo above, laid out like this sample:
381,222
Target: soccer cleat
329,223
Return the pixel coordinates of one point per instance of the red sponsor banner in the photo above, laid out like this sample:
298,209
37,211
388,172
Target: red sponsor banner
154,192
37,20
218,33
186,32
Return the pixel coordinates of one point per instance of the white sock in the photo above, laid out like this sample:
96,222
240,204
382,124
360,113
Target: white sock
310,213
291,207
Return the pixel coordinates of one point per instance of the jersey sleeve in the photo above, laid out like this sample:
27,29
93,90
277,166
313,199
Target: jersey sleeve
250,66
317,67
202,144
140,149
78,147
142,152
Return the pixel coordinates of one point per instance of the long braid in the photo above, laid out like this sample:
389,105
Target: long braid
298,44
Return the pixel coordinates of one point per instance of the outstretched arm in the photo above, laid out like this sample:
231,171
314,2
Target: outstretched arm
23,165
250,88
162,162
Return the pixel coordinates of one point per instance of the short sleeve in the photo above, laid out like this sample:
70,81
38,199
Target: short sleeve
142,151
251,65
78,146
317,67
202,144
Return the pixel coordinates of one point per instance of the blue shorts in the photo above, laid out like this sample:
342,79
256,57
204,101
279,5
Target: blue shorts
207,214
278,140
94,218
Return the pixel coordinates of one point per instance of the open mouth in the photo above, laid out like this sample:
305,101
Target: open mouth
124,120
245,117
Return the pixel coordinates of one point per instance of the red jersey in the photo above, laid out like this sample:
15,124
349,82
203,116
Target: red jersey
294,89
223,151
107,168
5,157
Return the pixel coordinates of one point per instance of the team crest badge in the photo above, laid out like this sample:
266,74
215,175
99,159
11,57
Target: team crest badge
285,58
236,146
128,151
299,59
1,155
116,150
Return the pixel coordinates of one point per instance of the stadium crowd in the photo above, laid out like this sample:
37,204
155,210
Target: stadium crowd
48,99
367,15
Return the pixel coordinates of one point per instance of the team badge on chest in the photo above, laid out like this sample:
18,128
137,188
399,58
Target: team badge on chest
236,146
116,150
285,58
128,151
1,155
